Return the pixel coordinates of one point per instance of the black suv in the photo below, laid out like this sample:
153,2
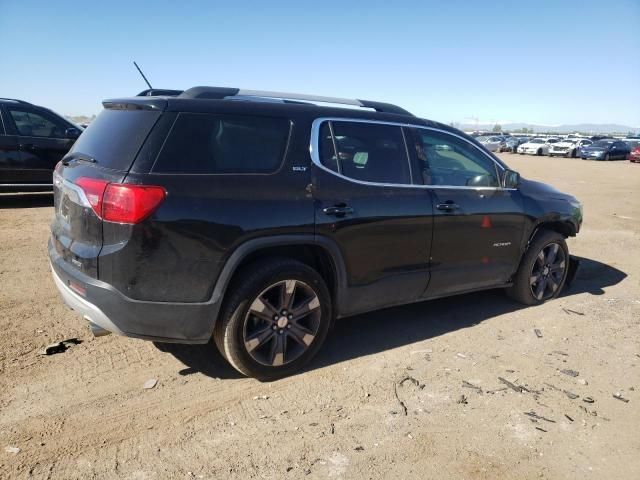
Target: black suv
257,218
33,139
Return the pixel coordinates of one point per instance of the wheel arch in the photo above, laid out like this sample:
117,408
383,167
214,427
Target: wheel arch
564,227
318,252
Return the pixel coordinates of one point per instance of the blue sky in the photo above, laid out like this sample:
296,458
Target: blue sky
545,62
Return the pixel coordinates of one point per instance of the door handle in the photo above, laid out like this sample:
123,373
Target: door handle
448,206
26,146
338,210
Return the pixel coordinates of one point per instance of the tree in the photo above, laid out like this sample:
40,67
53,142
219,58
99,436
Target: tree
497,128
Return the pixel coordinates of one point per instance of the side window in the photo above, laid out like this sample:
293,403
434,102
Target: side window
208,143
447,160
365,151
32,124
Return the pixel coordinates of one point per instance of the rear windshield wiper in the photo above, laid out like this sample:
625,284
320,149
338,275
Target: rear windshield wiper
80,157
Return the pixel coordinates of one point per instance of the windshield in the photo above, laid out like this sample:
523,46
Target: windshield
602,143
536,140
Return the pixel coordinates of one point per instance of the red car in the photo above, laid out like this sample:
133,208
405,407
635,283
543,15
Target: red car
634,156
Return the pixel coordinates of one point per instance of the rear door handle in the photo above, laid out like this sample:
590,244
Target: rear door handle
27,146
448,206
338,210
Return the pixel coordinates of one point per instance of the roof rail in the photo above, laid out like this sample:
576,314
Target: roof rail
15,100
219,93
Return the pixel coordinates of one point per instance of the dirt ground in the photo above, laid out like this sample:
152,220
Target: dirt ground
84,414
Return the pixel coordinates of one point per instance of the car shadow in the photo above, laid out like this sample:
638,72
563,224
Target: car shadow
26,200
390,328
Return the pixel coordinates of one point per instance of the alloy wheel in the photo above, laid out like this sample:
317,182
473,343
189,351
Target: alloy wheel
548,271
282,322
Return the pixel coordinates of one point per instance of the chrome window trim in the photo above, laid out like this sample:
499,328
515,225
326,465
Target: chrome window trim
315,155
26,184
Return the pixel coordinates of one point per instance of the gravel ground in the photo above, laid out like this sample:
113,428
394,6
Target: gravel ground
421,391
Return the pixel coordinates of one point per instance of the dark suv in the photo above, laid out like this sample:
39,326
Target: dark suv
33,139
257,218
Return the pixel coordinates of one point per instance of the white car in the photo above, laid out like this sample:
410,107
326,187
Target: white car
537,146
569,147
491,143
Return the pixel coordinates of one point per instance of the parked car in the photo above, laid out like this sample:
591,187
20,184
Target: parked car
609,149
634,155
511,144
537,146
257,223
632,142
482,133
32,140
492,143
568,147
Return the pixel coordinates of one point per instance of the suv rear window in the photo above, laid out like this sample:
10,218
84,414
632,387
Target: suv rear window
213,143
115,136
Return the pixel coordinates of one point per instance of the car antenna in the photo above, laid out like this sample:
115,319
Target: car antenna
145,78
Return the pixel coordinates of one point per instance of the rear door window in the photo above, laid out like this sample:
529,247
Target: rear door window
365,151
115,136
201,143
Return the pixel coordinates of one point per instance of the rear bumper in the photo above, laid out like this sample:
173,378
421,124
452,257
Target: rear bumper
106,307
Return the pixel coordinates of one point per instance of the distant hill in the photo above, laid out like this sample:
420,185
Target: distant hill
592,128
80,119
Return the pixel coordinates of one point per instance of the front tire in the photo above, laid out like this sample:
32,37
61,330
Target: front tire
275,318
539,152
607,157
543,269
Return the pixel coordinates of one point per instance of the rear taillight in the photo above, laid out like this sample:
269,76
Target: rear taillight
125,203
121,202
94,191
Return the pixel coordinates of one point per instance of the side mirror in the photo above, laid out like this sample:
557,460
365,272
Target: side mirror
72,133
511,179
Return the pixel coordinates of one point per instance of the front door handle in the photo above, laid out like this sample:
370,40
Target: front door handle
448,206
338,210
27,146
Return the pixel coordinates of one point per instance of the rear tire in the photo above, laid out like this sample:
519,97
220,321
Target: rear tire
543,269
275,318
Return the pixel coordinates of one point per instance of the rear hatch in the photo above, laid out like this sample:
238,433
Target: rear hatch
100,158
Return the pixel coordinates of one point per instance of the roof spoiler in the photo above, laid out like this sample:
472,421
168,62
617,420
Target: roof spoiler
219,93
159,92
